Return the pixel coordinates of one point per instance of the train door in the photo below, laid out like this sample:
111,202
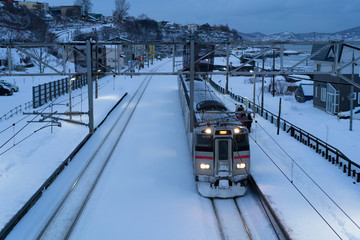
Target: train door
223,157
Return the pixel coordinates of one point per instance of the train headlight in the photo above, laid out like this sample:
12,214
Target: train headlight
208,131
204,166
241,165
236,130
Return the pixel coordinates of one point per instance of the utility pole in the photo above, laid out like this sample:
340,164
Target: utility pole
273,77
278,119
253,106
352,94
227,68
97,72
262,87
173,58
90,86
192,75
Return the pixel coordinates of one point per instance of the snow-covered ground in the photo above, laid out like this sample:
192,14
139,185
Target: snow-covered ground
149,192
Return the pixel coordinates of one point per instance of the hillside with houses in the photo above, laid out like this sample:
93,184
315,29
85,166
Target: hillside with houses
42,22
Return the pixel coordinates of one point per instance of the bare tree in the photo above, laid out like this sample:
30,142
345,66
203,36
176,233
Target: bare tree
85,5
43,55
121,11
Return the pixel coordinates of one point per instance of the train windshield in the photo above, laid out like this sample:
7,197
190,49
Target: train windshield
223,150
241,142
204,143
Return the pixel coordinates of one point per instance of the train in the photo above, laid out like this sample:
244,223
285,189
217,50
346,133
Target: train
203,57
219,143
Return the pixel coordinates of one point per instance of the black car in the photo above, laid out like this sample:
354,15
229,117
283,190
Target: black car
5,91
9,85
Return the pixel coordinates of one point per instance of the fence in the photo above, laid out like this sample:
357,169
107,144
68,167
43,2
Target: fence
15,111
49,91
332,154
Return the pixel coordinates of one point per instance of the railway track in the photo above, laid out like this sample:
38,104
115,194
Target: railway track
248,217
63,220
230,220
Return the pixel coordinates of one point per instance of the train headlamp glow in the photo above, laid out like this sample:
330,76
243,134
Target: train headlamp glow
208,130
236,130
204,166
223,132
240,165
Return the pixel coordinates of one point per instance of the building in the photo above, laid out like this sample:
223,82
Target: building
70,11
331,93
304,92
34,6
192,27
115,57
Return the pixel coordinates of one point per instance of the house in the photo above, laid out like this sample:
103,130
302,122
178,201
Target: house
34,6
115,57
70,11
192,27
55,10
96,17
331,93
304,92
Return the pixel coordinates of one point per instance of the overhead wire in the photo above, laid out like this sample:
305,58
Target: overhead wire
312,180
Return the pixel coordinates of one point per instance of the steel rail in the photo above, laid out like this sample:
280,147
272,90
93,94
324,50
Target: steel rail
243,219
274,220
136,98
277,225
36,196
221,226
218,220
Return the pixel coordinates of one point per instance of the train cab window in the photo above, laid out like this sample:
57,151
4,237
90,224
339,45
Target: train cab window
204,143
223,150
241,142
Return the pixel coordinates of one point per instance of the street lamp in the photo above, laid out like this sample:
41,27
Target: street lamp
253,94
96,83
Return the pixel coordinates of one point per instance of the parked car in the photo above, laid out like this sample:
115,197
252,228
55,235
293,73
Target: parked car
5,90
12,86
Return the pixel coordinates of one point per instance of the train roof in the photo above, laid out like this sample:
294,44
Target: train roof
210,105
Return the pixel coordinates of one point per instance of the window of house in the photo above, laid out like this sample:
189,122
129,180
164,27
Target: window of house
316,92
318,67
358,97
354,95
323,94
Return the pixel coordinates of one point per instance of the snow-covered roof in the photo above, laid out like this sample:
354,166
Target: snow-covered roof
307,89
300,77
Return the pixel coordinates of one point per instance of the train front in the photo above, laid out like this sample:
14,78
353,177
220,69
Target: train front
222,160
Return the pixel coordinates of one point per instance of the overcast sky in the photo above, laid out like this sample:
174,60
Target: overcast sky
266,16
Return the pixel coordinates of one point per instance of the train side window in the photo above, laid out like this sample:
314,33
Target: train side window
241,142
204,143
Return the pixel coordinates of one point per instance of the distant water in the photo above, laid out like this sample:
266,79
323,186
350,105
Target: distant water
299,48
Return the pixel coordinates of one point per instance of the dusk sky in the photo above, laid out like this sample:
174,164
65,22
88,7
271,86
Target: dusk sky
266,16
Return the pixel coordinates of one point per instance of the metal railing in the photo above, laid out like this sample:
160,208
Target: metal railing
16,110
332,154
